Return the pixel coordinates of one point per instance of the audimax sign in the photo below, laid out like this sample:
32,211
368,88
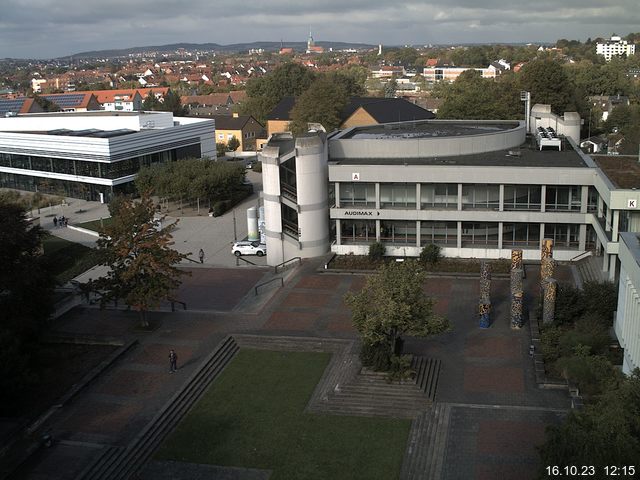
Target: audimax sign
361,213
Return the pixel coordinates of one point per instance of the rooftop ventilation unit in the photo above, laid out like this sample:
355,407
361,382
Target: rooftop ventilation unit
547,137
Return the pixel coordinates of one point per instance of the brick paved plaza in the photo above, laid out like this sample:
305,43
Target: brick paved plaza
498,413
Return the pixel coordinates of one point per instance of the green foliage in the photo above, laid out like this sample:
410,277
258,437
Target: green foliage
117,201
474,97
191,179
592,373
470,57
430,254
264,93
390,88
549,84
376,251
597,298
233,144
606,432
323,102
170,103
46,104
141,261
376,356
26,287
400,368
392,304
221,149
625,119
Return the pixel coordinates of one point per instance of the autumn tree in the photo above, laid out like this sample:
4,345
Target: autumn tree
137,250
392,304
323,102
549,84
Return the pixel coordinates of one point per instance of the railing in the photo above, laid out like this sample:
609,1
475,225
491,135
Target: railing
173,304
255,289
579,257
244,260
287,262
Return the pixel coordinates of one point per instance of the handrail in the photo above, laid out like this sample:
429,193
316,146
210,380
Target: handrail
244,260
255,289
275,269
583,254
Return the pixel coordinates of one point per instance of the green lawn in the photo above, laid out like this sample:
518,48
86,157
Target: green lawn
96,225
252,417
67,259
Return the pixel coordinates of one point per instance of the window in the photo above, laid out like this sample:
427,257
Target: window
398,195
357,231
479,234
563,235
480,197
439,195
520,235
522,197
440,233
563,198
358,194
221,136
396,232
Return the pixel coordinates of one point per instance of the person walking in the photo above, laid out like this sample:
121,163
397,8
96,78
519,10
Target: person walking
201,255
173,361
55,222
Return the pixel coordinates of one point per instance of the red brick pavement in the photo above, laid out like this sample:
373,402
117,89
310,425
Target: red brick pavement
158,354
133,383
320,282
492,379
112,418
438,286
507,347
341,323
291,321
503,437
309,300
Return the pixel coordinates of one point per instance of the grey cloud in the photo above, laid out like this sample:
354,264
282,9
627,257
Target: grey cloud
41,28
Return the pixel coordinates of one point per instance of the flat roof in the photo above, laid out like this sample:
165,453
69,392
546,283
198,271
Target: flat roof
428,129
623,171
527,155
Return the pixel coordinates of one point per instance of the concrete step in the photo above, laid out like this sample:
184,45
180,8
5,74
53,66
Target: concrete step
126,462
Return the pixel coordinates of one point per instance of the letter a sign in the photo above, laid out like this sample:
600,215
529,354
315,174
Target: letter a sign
355,177
632,203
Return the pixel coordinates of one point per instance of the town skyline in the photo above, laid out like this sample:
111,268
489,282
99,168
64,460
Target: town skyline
69,28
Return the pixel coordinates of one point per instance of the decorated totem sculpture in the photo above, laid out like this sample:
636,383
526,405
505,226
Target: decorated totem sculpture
484,306
517,290
548,286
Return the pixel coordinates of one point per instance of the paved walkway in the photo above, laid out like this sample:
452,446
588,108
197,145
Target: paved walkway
496,412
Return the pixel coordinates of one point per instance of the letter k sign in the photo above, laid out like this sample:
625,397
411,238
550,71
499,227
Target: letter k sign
632,203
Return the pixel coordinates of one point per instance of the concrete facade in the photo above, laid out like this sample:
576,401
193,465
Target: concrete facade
627,316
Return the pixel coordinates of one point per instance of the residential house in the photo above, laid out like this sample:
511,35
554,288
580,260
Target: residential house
243,127
607,103
615,47
119,100
74,101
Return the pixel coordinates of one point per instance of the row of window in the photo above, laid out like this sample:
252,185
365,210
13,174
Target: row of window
111,170
474,196
400,232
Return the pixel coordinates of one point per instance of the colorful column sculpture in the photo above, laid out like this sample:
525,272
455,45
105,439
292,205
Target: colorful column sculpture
517,294
549,302
484,306
516,259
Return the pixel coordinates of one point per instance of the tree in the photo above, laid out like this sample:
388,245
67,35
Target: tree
264,93
604,433
233,144
323,102
26,291
390,88
549,84
170,103
46,104
137,249
392,304
221,149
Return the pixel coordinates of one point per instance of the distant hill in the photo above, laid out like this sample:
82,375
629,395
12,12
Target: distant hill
236,47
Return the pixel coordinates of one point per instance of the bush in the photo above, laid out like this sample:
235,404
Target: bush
592,373
376,356
431,254
376,251
219,208
400,368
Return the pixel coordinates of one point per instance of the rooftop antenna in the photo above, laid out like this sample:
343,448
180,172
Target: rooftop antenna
526,98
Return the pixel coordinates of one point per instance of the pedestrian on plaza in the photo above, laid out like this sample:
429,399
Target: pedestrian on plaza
173,361
201,255
55,222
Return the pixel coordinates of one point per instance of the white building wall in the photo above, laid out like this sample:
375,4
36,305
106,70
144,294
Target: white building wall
627,320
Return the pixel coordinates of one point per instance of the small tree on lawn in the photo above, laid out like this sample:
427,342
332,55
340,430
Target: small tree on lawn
392,304
139,255
233,144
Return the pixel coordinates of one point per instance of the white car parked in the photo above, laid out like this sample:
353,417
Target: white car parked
249,248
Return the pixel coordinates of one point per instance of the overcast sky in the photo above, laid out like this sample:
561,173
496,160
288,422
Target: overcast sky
55,28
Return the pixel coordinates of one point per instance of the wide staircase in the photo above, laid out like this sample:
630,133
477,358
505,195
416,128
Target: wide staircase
423,459
117,463
370,393
590,269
